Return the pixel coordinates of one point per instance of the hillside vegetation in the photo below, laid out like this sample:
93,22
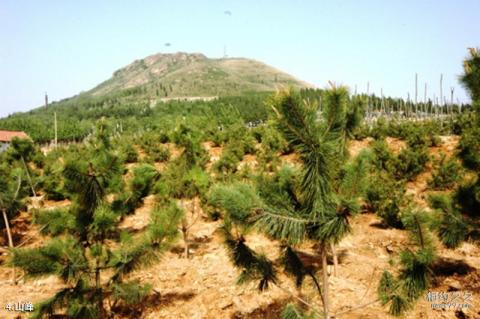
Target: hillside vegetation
145,93
185,210
183,74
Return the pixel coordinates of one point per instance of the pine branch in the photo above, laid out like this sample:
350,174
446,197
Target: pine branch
286,226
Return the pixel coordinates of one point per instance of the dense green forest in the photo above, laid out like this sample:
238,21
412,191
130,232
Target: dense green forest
128,111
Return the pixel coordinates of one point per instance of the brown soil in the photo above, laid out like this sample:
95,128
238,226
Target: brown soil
395,144
354,146
448,146
214,151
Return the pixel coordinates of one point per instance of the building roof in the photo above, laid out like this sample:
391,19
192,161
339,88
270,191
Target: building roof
7,136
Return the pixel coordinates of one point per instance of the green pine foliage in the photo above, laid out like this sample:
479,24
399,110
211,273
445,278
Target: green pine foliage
409,162
415,273
469,148
20,154
353,177
193,152
452,227
54,221
446,173
420,136
139,186
13,192
52,180
386,197
81,254
458,211
312,202
238,201
294,205
253,266
382,154
291,311
467,197
405,165
129,153
471,77
231,156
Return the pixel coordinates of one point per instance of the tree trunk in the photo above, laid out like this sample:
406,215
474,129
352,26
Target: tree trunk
326,305
10,242
335,259
29,178
185,237
99,290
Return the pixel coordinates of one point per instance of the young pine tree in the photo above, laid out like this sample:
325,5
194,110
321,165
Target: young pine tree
11,195
414,275
92,269
460,211
23,151
185,178
309,211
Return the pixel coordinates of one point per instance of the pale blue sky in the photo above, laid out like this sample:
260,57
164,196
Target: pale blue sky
64,47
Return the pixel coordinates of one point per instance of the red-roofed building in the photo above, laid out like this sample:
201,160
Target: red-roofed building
6,138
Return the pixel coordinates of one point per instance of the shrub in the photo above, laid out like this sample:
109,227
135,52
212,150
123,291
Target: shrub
52,180
236,149
467,196
227,163
416,137
55,221
446,173
218,138
280,188
353,176
469,148
236,200
390,210
272,139
163,138
382,154
385,197
408,163
160,154
451,226
141,185
380,129
249,143
38,159
129,153
267,159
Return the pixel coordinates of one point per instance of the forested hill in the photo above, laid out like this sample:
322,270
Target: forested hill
141,96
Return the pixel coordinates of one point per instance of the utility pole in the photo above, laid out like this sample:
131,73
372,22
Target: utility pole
416,94
46,100
425,99
382,105
55,119
416,88
408,104
441,88
368,100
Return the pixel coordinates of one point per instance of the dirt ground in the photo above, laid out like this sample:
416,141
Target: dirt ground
204,286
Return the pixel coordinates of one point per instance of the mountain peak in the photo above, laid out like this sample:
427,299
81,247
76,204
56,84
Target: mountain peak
194,74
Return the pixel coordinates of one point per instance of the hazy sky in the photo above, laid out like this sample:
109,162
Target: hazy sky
64,47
